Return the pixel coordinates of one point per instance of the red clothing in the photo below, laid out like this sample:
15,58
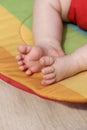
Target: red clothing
78,13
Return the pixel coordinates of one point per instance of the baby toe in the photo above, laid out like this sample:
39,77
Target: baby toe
49,76
23,67
46,61
48,70
20,57
24,49
29,72
48,82
20,63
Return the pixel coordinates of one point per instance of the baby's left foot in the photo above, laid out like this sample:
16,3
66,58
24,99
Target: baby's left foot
56,69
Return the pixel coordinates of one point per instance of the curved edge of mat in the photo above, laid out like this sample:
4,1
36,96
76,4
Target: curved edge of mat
22,87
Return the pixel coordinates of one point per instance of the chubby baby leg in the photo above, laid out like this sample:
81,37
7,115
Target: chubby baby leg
47,33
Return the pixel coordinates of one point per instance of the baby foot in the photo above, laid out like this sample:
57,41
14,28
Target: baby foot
28,59
56,69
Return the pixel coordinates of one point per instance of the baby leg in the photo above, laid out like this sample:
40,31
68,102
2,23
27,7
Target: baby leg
47,32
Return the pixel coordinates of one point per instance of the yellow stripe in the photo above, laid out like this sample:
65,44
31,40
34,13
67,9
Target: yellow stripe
12,32
77,83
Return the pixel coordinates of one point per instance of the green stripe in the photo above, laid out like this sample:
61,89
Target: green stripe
22,9
72,39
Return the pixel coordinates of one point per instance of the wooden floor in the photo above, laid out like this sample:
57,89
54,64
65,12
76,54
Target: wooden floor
22,111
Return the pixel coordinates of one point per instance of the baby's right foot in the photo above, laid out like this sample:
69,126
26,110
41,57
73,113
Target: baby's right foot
29,56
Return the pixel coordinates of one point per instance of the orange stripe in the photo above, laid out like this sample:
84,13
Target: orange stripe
55,91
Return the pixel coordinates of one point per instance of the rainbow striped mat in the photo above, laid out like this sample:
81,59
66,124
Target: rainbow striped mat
16,28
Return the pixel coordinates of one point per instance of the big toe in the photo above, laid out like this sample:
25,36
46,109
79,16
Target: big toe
47,61
48,82
24,49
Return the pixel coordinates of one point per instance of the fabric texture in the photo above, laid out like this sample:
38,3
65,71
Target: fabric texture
78,13
16,28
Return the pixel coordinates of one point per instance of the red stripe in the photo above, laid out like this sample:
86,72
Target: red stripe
20,86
